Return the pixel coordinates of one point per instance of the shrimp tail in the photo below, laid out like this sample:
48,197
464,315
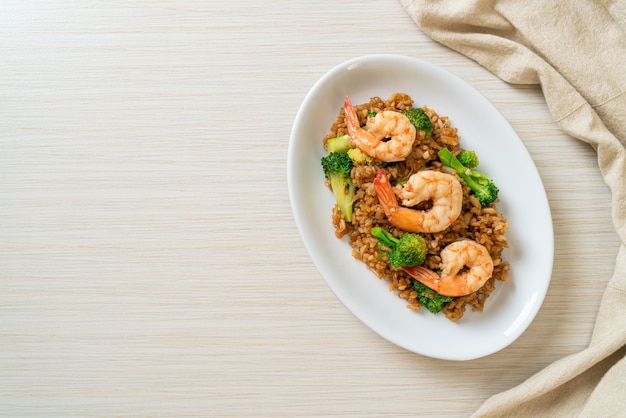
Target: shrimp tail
452,282
454,286
400,217
352,120
425,276
359,137
385,194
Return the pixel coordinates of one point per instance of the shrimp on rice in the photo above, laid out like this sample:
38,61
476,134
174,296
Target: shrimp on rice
389,136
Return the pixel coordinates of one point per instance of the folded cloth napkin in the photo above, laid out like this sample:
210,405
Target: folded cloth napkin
576,51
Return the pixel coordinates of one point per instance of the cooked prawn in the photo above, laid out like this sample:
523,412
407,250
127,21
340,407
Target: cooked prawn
466,267
389,136
444,190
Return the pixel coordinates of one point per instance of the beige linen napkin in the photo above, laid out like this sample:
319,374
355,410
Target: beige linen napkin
576,51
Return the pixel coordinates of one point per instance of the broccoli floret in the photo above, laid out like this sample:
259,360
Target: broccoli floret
337,167
419,119
371,115
407,251
483,187
339,144
430,299
468,158
358,157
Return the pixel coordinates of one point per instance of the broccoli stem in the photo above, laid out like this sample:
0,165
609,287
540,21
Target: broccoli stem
337,167
484,189
385,237
448,159
344,192
339,144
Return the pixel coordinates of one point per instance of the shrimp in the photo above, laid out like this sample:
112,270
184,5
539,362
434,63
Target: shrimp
455,279
388,124
443,189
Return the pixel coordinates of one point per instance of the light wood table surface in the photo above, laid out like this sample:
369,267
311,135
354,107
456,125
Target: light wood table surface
149,261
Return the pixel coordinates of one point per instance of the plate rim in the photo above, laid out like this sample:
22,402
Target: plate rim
349,65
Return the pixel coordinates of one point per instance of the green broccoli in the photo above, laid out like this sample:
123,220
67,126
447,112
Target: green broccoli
419,119
371,115
358,157
337,167
431,300
339,144
407,251
483,187
468,158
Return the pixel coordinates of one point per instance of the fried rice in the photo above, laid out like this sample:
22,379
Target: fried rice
485,225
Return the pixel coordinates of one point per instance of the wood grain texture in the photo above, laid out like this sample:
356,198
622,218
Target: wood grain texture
149,262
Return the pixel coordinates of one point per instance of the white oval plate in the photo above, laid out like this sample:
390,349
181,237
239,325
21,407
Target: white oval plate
512,306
